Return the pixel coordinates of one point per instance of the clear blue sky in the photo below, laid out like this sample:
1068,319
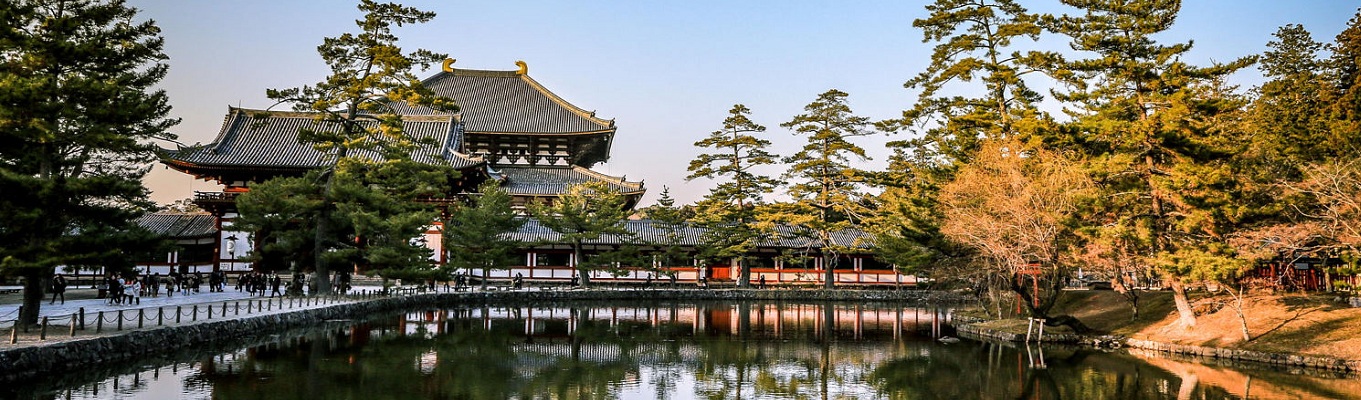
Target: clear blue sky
667,72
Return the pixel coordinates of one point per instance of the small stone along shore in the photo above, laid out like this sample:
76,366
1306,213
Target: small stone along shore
57,357
974,331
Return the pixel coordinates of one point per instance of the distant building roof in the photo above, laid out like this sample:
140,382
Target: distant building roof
178,225
508,102
648,231
269,139
552,181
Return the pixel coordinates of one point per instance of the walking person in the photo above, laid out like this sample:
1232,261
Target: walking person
275,283
58,289
114,290
154,283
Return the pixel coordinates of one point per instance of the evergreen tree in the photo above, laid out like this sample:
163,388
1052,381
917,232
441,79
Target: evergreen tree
826,189
729,212
475,235
974,37
279,213
1345,63
1289,114
369,182
974,53
1147,116
78,112
672,220
585,212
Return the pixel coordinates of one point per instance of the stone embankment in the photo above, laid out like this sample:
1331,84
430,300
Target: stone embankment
973,330
58,357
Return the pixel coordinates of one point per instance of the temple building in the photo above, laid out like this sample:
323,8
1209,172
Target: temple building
512,129
509,128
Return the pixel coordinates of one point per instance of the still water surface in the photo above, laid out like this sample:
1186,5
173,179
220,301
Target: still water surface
677,351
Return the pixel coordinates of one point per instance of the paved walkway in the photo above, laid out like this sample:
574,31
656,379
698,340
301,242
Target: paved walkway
11,311
60,314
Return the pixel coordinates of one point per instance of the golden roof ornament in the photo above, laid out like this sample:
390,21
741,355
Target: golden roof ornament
524,68
448,65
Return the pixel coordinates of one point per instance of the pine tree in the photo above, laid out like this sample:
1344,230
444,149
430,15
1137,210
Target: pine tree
78,112
672,220
585,212
973,39
1147,117
1289,114
826,189
975,51
369,182
475,234
729,212
1346,108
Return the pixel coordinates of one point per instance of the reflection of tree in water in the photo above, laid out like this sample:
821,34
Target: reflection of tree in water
999,371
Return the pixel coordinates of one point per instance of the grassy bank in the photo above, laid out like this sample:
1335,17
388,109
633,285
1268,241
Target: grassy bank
1305,324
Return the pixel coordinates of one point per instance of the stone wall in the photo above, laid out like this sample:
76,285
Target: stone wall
60,357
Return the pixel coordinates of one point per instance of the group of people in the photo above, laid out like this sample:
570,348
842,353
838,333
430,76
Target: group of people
256,283
127,290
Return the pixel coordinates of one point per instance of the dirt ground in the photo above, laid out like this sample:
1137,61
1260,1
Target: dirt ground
1313,324
71,294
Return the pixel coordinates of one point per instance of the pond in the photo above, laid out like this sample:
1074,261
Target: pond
676,351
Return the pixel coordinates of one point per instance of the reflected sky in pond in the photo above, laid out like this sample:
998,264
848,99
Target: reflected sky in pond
685,351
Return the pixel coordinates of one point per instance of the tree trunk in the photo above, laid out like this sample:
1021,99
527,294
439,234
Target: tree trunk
1242,317
33,295
1187,315
743,273
576,265
322,270
1131,295
829,272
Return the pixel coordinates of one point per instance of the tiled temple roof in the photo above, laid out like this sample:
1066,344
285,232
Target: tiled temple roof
508,102
179,225
552,181
269,139
647,231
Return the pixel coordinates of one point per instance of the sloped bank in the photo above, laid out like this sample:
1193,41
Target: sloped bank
973,330
34,362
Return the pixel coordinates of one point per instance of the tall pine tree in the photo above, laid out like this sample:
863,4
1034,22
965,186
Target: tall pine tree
826,189
78,111
1146,117
367,190
729,212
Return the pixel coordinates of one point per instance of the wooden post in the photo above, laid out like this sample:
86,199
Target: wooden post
141,316
99,322
73,325
82,318
179,312
42,331
195,317
120,320
160,316
14,333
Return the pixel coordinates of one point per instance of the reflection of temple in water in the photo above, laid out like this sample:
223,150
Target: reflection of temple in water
740,321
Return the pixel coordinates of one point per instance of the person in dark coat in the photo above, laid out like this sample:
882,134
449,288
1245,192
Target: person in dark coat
58,289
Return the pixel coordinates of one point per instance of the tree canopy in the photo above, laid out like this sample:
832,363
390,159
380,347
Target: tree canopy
78,118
